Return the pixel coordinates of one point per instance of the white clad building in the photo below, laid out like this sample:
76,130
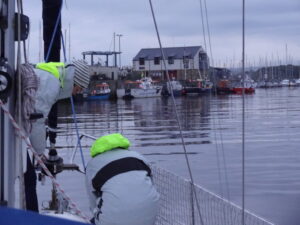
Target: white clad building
182,62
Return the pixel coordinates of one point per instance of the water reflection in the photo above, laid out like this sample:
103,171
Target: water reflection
144,119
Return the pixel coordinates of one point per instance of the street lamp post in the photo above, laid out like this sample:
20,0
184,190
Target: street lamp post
120,35
115,56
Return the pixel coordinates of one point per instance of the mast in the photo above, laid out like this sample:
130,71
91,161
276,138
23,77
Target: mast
286,62
115,56
51,19
40,41
52,46
7,135
184,64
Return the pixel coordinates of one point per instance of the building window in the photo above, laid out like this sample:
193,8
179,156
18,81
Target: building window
202,56
170,60
185,62
142,61
156,60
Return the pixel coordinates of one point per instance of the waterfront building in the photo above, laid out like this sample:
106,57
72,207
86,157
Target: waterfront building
183,63
103,69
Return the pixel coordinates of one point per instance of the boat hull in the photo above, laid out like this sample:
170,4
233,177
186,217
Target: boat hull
240,90
224,90
98,97
176,93
196,91
78,97
138,93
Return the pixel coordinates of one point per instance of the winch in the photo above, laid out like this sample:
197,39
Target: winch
5,80
55,165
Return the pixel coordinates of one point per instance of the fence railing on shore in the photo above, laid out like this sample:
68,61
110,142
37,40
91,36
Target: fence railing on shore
178,205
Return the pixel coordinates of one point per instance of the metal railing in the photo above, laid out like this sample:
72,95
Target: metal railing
178,206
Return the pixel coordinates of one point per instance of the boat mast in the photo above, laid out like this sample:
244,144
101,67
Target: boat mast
184,64
40,41
52,45
7,135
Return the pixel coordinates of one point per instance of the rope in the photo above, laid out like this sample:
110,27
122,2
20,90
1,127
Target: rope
203,26
29,87
243,116
64,47
214,77
177,115
41,163
77,131
73,109
218,120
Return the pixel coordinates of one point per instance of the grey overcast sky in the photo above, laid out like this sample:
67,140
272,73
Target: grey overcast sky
271,25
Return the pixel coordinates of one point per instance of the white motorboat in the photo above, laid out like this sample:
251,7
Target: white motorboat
297,82
176,88
143,88
285,83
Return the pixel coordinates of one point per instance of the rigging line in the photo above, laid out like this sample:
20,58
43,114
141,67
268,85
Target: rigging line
218,160
54,33
73,109
64,48
203,26
219,121
111,43
66,6
176,113
77,132
214,124
243,116
208,32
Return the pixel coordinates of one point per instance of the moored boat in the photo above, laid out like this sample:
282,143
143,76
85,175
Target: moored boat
292,83
197,87
248,87
176,88
224,87
99,92
143,88
297,82
261,84
285,83
239,90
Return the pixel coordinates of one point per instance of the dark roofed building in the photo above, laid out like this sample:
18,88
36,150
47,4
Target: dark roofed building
182,62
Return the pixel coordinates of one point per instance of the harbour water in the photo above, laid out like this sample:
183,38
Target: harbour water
212,129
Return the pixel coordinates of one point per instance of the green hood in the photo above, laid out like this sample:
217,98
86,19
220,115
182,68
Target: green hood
109,142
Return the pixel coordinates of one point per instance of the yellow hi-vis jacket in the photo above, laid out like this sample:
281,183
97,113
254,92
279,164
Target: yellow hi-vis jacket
53,67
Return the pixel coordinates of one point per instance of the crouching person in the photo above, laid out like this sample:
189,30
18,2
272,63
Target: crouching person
119,184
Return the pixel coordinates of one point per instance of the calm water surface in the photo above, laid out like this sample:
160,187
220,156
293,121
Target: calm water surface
212,129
